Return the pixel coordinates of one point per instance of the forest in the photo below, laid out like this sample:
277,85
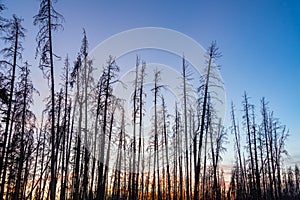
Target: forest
82,148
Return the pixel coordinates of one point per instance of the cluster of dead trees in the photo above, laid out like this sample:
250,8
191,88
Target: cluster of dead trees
82,148
258,171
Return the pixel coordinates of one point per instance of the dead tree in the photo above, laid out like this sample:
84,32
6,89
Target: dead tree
247,106
184,77
108,76
140,107
165,136
156,90
236,132
14,36
266,129
213,53
48,21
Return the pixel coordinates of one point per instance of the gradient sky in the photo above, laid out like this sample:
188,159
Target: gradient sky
259,40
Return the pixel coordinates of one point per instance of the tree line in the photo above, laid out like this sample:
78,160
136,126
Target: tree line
83,148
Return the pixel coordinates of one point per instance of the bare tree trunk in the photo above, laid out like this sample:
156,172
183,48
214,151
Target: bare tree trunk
213,53
181,196
58,134
143,169
122,132
76,195
86,85
26,173
248,125
8,122
266,133
166,149
191,132
156,152
279,145
68,148
53,138
95,137
257,174
163,176
260,139
204,164
134,184
125,165
106,77
33,180
100,192
42,169
141,85
272,156
219,141
176,141
108,150
64,179
238,146
148,177
184,76
22,147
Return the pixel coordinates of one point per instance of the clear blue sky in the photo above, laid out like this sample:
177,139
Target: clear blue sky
259,40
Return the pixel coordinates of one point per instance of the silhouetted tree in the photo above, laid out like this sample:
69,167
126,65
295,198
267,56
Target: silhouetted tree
65,143
108,78
248,125
213,53
237,138
48,20
14,34
217,147
155,186
165,136
24,131
133,184
184,77
140,110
